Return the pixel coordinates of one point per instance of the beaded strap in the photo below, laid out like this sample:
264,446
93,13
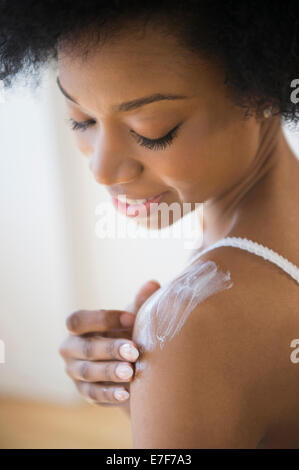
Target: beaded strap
257,249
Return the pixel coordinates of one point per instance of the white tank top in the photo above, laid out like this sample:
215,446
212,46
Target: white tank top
257,249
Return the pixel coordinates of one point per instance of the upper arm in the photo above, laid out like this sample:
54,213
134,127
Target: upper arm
200,390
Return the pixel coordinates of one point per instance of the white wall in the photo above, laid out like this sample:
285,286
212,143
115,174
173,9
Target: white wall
36,283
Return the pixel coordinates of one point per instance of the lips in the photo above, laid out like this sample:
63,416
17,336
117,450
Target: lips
135,207
123,198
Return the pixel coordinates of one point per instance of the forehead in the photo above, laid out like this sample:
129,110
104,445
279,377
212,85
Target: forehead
129,65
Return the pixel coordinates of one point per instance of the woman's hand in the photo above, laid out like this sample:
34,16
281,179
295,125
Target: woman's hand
99,353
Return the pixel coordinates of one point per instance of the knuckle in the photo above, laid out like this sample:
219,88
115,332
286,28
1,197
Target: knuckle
84,370
92,392
87,348
112,349
79,385
73,321
109,372
63,346
105,394
61,351
67,370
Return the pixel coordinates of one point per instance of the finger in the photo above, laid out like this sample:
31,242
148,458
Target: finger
125,333
88,371
86,321
94,348
102,393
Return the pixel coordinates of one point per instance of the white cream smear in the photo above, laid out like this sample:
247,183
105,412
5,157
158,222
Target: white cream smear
164,314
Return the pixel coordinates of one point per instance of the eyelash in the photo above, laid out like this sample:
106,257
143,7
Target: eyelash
152,144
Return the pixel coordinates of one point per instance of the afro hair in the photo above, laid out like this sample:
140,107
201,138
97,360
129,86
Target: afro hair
257,43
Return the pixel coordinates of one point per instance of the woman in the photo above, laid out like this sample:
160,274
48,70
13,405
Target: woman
215,82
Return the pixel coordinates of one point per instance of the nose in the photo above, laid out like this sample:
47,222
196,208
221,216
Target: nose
111,164
125,172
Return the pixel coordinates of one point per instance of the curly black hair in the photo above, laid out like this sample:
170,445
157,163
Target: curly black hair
256,42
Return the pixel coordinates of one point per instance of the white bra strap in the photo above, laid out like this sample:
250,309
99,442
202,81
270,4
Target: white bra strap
257,249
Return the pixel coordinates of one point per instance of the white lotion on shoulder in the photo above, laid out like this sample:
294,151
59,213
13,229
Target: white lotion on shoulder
163,315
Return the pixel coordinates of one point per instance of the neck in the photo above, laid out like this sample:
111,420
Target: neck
236,212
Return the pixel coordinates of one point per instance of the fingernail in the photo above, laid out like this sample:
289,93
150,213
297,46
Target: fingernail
123,371
128,352
121,395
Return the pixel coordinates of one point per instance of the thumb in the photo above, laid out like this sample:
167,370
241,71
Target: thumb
145,292
127,319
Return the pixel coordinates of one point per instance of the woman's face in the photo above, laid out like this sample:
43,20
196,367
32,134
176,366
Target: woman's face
212,146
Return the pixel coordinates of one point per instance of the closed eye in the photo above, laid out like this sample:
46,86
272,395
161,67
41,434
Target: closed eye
152,144
82,125
157,144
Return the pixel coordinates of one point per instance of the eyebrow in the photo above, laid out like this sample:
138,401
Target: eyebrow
133,104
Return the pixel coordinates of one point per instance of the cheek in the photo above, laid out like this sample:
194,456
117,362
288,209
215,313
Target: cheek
209,157
84,143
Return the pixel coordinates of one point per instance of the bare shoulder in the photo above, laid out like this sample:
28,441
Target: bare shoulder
210,385
263,308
